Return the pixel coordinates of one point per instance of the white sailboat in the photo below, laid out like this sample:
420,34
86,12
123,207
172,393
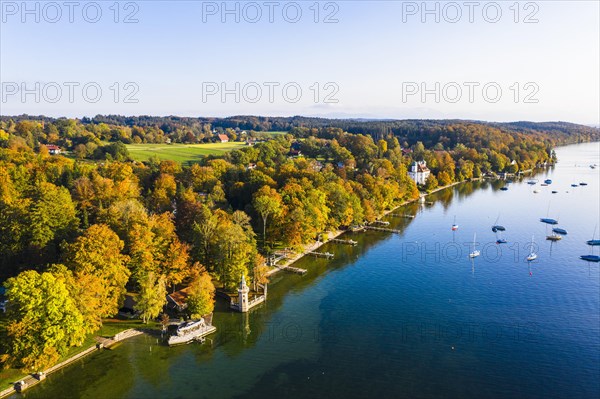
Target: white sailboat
475,252
532,255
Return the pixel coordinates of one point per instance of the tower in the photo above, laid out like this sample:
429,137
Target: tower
243,295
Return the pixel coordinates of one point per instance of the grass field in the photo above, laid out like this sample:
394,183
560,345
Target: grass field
184,153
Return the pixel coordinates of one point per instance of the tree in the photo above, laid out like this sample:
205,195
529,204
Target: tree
52,214
43,320
431,183
267,202
152,296
96,257
201,298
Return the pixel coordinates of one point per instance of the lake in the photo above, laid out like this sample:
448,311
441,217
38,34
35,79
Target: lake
403,315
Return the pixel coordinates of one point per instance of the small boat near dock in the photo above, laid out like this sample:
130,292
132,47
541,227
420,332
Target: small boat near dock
548,181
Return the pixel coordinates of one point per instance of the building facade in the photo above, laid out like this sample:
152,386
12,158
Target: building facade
419,172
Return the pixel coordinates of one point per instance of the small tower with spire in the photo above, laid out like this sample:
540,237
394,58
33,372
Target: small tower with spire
243,295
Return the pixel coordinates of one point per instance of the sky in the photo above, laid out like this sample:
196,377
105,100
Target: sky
496,61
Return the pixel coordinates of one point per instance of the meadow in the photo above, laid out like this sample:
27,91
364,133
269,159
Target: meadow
184,153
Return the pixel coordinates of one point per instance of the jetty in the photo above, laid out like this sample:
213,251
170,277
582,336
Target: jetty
292,269
382,222
400,215
327,255
382,229
341,241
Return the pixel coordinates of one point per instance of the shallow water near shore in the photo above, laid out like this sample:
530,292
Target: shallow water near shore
402,315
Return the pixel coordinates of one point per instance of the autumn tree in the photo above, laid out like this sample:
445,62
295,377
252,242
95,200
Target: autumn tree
100,270
201,298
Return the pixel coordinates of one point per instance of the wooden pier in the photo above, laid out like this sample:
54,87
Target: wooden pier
292,269
382,229
347,242
382,222
399,215
327,255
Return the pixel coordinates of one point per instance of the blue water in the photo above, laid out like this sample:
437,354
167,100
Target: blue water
403,316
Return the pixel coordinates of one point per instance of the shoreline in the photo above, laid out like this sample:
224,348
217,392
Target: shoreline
35,378
312,247
32,379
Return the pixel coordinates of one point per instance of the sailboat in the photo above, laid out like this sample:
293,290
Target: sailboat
532,255
592,243
496,227
475,253
548,220
454,225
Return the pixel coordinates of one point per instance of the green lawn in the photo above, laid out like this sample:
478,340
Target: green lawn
184,153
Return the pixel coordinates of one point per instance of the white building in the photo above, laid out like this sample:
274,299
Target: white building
419,172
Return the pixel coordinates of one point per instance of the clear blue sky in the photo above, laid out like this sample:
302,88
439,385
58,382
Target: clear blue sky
374,56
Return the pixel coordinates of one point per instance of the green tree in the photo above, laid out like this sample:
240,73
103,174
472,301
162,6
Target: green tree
267,202
431,183
43,320
152,296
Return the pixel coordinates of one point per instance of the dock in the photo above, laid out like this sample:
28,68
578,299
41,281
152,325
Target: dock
292,269
382,229
327,255
382,222
347,242
400,215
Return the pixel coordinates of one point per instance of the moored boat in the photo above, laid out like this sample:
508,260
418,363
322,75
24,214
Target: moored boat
558,230
475,252
548,220
593,242
583,183
504,188
532,255
191,330
548,181
501,241
554,192
590,258
554,237
574,185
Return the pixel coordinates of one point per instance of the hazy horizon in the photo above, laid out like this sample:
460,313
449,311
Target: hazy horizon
500,61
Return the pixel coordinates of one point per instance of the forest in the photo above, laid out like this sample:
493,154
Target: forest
80,229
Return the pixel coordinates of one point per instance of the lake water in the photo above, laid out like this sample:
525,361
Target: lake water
403,316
